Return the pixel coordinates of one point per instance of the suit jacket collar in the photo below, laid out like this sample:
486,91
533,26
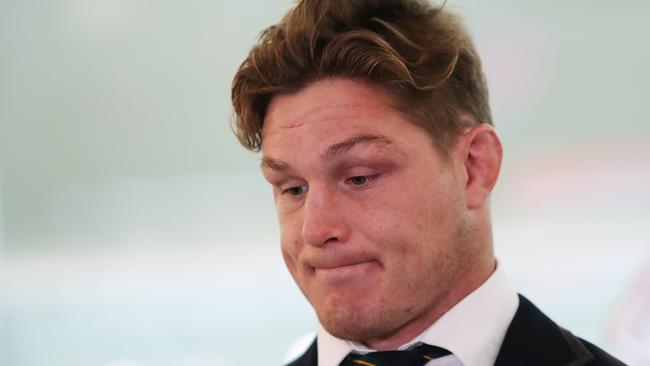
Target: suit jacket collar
535,340
309,358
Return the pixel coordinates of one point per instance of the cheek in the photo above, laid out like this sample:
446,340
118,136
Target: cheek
395,230
289,260
413,222
289,241
396,213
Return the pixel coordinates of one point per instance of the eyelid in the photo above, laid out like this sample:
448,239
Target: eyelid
370,178
286,189
361,170
281,182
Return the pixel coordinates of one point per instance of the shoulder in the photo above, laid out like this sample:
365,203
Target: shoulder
309,358
601,358
534,339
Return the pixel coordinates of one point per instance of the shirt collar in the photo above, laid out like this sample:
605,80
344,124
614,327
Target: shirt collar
472,330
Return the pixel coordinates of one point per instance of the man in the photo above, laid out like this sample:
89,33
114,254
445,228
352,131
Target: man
376,134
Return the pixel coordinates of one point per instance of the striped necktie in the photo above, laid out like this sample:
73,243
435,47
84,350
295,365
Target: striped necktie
415,356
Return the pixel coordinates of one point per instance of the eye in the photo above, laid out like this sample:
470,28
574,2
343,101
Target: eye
295,191
360,180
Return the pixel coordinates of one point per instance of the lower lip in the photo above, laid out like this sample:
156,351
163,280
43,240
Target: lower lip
344,272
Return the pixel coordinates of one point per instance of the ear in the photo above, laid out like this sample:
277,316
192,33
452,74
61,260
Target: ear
479,153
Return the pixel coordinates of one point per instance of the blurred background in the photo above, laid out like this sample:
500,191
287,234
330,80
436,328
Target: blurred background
135,231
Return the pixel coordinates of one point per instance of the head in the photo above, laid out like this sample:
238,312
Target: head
374,124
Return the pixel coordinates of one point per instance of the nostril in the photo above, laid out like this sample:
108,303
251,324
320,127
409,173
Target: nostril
334,238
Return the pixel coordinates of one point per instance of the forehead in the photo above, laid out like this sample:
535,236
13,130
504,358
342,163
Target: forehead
334,104
335,118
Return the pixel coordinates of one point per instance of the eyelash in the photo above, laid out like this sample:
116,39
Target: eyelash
367,179
290,189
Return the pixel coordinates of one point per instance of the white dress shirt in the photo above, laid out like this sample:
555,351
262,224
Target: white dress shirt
472,330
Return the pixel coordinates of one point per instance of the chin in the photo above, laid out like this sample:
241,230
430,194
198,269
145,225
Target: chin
352,327
358,322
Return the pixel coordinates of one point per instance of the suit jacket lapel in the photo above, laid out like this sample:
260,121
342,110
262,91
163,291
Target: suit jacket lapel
535,340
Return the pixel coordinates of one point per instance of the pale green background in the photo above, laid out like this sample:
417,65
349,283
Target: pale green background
136,232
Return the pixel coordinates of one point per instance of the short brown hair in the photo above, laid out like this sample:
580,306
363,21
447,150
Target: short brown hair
421,54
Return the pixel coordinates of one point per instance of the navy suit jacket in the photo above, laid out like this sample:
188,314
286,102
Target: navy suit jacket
532,339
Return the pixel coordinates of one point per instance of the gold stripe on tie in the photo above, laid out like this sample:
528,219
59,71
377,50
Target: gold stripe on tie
364,363
427,357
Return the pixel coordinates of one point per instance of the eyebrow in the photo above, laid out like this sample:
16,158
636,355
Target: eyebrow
332,151
354,141
277,165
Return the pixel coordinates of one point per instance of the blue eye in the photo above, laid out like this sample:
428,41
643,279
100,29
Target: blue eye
360,180
295,191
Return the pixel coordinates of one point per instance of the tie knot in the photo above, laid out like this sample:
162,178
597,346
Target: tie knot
415,356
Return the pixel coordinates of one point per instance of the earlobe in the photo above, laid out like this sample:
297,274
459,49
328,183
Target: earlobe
482,154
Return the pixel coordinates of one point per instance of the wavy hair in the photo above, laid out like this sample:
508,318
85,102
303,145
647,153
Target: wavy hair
423,55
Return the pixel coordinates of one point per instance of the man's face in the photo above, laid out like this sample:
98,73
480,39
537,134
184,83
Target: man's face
373,224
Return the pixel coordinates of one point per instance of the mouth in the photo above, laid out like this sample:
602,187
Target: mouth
340,265
345,271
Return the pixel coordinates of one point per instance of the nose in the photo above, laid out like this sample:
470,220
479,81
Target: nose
323,217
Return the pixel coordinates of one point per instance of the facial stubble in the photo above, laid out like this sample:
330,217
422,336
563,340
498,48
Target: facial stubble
381,317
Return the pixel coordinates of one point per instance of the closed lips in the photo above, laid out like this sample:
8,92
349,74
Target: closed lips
336,263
